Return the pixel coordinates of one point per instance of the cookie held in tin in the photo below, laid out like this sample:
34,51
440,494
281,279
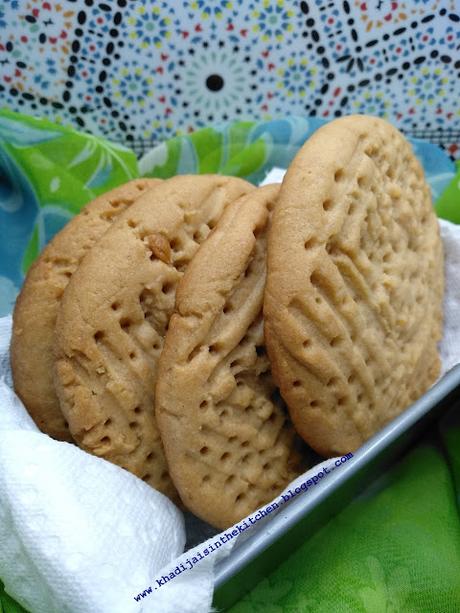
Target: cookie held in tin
115,313
353,301
229,443
36,308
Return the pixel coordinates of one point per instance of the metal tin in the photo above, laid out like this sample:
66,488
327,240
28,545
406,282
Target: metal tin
260,554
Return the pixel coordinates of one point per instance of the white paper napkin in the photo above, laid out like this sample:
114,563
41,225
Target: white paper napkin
76,532
79,535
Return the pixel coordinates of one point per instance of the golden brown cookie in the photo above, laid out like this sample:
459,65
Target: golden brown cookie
115,313
37,304
230,446
353,302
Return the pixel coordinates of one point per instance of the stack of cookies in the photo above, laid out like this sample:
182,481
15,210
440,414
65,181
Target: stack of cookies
198,331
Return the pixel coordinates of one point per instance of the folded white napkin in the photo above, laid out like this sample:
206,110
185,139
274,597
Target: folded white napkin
76,532
80,535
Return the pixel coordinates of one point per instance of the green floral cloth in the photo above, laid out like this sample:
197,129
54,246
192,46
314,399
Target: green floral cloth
47,174
396,548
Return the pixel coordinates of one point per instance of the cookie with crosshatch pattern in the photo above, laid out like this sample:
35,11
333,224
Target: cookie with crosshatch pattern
36,307
353,301
228,440
115,313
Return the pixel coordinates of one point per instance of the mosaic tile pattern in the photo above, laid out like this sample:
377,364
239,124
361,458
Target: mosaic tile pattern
143,71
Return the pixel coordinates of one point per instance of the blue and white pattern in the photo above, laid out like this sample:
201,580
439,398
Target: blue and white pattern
143,71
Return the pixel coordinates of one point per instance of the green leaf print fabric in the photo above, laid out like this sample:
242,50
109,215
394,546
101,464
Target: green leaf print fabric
395,548
47,174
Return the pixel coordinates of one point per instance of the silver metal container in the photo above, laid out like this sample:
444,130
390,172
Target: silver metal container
259,555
